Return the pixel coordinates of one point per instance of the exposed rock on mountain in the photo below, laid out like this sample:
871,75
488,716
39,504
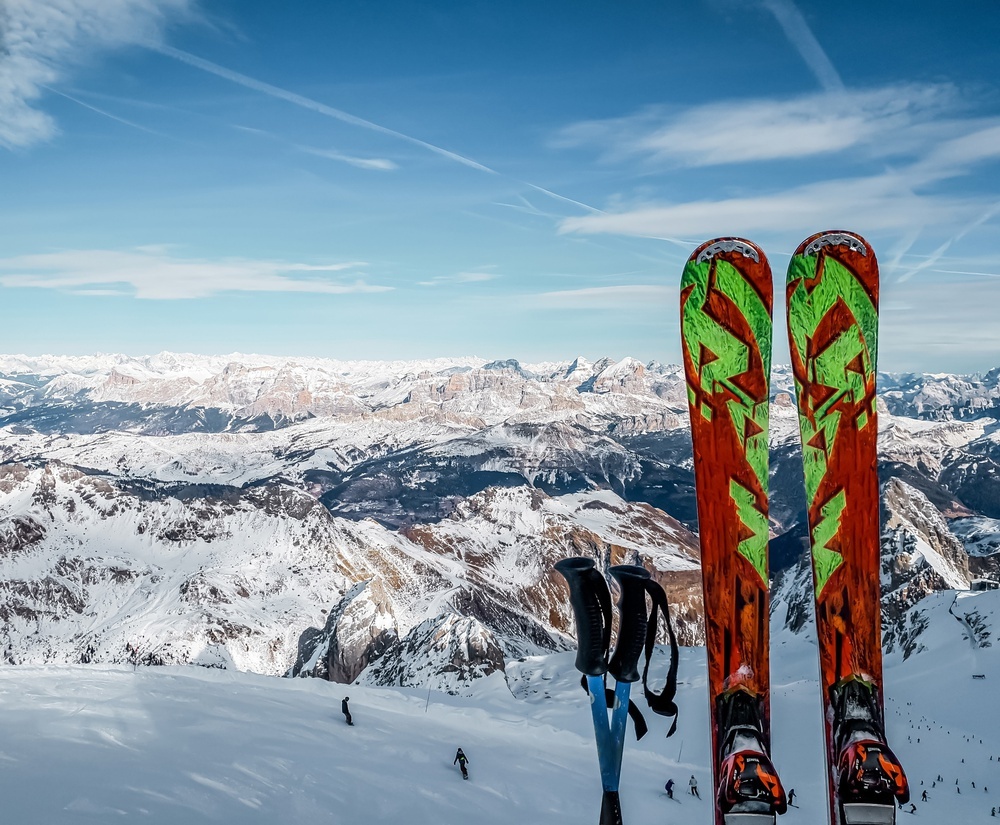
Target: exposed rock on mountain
920,555
448,651
358,631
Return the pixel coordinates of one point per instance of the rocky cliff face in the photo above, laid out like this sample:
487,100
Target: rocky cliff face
449,651
920,555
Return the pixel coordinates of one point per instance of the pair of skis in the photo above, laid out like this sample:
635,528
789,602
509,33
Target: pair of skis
590,599
726,331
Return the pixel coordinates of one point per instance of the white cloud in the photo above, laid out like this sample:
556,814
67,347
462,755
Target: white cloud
40,40
739,131
380,164
904,198
604,297
930,325
459,278
153,274
877,203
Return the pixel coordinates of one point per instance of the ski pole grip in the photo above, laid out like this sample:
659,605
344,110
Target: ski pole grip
591,602
632,621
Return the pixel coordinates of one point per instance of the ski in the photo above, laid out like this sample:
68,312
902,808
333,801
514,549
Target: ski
590,600
726,302
832,294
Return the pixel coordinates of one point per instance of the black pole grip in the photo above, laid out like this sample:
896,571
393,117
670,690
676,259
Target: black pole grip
591,602
611,809
632,621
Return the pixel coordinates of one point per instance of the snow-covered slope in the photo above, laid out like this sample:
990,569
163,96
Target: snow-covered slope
84,744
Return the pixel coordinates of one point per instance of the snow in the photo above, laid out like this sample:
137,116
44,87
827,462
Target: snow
83,744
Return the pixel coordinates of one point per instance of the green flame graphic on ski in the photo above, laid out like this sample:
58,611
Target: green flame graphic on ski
720,358
843,369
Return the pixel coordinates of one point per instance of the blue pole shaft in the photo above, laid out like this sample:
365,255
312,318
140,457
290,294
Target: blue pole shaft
602,732
619,718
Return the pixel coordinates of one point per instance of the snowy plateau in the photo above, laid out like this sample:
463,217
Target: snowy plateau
392,526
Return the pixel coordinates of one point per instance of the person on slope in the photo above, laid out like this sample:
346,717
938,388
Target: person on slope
462,760
346,710
669,788
693,787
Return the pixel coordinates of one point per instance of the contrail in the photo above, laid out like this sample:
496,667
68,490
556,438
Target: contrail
345,117
801,37
308,103
938,253
102,112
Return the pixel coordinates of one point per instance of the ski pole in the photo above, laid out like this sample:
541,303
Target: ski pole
624,665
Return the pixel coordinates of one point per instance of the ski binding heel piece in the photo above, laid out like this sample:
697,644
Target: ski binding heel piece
859,813
748,819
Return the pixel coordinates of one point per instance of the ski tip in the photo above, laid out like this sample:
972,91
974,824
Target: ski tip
839,239
728,248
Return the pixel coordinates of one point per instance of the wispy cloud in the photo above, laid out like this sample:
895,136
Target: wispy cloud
380,164
918,130
767,128
805,43
152,273
602,297
940,323
472,277
307,103
880,202
940,252
41,41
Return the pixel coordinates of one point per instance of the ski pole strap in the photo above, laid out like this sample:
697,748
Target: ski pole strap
661,703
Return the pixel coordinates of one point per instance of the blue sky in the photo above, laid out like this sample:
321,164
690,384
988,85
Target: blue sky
517,179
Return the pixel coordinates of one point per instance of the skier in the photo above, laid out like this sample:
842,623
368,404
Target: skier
669,788
923,796
693,787
346,710
913,808
791,797
462,760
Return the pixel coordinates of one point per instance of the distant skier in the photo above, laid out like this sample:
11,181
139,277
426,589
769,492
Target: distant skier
913,808
669,788
923,796
693,787
462,760
346,710
791,798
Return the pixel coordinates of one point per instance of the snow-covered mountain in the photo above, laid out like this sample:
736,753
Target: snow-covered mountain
393,522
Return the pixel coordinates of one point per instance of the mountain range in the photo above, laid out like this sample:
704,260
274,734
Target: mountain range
395,523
